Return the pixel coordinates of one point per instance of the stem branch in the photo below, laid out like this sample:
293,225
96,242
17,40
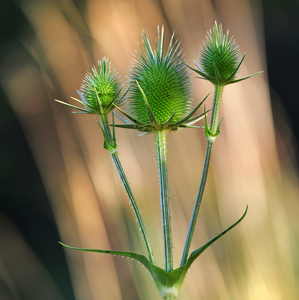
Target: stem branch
210,142
122,175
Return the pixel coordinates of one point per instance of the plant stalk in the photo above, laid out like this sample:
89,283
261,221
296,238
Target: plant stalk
210,142
160,139
123,177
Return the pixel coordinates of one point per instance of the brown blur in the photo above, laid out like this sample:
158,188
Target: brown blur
254,261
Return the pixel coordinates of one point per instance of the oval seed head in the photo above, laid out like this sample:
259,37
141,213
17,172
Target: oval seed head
219,57
101,88
160,94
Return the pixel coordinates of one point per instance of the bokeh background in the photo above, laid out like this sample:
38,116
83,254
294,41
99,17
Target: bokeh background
58,183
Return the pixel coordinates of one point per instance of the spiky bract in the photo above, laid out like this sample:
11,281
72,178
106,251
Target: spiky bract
164,82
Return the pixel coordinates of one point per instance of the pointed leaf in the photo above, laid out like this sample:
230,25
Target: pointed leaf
128,116
75,107
166,283
236,70
141,258
241,79
197,252
207,77
186,119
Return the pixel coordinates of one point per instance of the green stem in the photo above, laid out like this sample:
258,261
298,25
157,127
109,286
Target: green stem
216,108
122,175
210,142
160,138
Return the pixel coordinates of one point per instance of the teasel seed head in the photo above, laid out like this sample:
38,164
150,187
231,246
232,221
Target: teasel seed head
100,90
160,91
219,58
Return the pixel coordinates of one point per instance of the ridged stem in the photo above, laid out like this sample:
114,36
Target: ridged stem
210,142
160,139
216,108
123,177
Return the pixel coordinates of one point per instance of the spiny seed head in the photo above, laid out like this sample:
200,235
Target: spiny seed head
159,83
100,87
219,56
219,59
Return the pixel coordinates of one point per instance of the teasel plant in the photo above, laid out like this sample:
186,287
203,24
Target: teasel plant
159,100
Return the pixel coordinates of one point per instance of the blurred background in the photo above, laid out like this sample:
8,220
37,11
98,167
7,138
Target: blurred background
59,184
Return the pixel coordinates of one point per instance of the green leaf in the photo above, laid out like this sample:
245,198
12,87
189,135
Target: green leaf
141,258
167,283
197,252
